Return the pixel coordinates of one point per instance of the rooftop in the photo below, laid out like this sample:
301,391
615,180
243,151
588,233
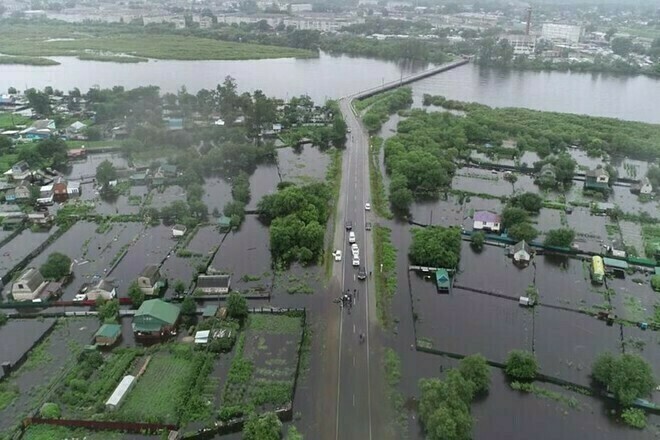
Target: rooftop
486,217
159,309
108,331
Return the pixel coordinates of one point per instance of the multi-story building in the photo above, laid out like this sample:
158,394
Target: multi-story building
565,33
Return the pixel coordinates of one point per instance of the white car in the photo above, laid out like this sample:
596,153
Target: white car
351,237
337,255
355,249
80,297
356,260
367,206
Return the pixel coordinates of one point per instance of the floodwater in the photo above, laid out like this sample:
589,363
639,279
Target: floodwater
20,247
302,165
23,333
217,193
566,282
322,78
624,97
166,196
87,168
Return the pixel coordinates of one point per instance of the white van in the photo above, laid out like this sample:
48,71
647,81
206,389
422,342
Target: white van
351,237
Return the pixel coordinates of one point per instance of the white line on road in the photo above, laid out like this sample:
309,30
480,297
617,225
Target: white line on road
353,399
353,328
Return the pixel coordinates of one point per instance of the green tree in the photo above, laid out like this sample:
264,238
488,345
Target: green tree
93,133
188,306
622,46
136,295
655,282
436,246
528,201
523,231
3,319
109,311
264,427
237,306
50,410
478,239
444,407
628,376
56,266
513,216
521,364
475,369
106,173
179,287
39,101
562,237
293,434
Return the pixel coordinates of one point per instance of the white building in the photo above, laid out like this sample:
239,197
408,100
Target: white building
566,33
522,44
299,7
120,392
28,286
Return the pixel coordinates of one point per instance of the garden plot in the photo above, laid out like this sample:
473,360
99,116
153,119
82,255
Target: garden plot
479,181
14,251
205,240
217,193
30,385
567,343
439,212
549,219
590,230
633,298
493,271
161,198
262,374
566,282
22,333
262,182
646,343
93,249
632,235
87,168
631,203
152,247
51,432
245,254
173,389
466,323
302,166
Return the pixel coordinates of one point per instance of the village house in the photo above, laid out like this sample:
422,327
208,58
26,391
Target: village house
642,187
107,335
41,129
22,192
18,172
155,320
442,280
521,252
45,195
76,131
73,189
214,284
60,193
149,280
178,230
10,196
597,179
486,221
168,170
103,289
28,286
40,218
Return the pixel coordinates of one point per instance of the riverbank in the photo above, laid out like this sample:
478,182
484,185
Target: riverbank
28,61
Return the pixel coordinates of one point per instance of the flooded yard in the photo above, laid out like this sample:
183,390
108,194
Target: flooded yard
14,251
217,193
262,182
19,335
162,197
633,298
87,168
302,166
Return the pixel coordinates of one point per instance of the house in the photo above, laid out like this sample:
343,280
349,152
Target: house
138,179
77,153
52,289
107,335
45,195
149,280
442,280
118,395
155,319
548,175
103,289
617,267
10,196
214,284
486,221
73,189
209,311
42,218
76,131
168,170
642,187
28,286
119,132
521,252
174,124
41,129
22,192
158,178
224,223
60,193
19,171
178,230
597,179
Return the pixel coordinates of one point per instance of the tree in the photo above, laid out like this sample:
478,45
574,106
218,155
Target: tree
475,369
12,91
562,237
39,101
56,266
265,427
188,306
621,46
109,311
50,410
628,376
106,173
521,364
478,239
237,306
436,246
655,282
293,434
3,319
179,287
92,133
444,407
513,216
528,201
523,231
136,295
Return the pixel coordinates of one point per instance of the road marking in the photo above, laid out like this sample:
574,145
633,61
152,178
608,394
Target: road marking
353,399
353,360
341,322
353,332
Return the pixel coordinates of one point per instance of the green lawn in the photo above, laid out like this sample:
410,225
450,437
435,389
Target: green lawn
275,324
48,432
9,120
154,397
117,39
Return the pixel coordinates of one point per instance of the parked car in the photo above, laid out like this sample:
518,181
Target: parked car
362,273
367,206
348,225
351,237
337,255
356,261
80,297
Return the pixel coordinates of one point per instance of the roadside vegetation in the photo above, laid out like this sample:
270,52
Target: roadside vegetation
386,277
381,106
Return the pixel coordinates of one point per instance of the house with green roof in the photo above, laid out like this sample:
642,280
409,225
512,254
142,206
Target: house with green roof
224,223
442,280
155,320
107,335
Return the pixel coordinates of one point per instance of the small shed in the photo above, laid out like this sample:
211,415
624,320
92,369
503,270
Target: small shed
107,335
120,392
224,223
178,230
618,267
442,280
202,337
209,311
521,252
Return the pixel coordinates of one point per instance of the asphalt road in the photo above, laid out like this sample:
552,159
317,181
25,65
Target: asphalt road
354,413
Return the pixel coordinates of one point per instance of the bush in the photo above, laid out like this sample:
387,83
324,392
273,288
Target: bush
562,237
521,364
436,246
50,410
478,239
237,307
136,295
475,369
512,216
530,202
628,376
3,319
265,427
523,231
655,282
634,417
56,266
